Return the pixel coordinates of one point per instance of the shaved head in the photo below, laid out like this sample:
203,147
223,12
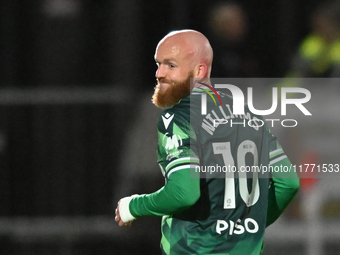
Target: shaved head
193,44
180,56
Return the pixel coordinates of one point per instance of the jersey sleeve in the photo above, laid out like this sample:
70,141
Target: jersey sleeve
176,144
176,157
179,193
284,182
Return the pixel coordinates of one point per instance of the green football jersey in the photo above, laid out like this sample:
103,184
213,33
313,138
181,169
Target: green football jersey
230,215
219,195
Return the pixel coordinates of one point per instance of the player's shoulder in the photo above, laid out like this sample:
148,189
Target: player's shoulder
177,115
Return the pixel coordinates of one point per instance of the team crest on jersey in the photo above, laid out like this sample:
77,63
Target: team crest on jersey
167,118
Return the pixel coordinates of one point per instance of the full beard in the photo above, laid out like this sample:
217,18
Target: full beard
173,94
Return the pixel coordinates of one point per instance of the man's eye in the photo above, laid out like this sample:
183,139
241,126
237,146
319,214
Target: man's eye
172,66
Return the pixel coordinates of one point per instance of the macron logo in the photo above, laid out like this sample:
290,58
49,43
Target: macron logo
167,119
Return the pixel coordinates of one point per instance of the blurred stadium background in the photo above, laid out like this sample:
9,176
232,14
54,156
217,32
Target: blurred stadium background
77,128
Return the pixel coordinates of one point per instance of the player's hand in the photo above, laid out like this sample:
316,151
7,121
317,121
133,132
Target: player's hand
119,220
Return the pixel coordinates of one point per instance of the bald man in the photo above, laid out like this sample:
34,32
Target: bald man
207,213
180,56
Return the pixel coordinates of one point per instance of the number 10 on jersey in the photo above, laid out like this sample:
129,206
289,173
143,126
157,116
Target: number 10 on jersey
245,147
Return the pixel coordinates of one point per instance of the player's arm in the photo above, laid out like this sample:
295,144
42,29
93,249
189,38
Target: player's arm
177,160
284,186
179,193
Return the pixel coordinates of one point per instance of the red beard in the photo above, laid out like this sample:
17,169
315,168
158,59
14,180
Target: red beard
175,92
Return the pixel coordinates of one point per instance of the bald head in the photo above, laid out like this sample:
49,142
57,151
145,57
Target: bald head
190,45
180,56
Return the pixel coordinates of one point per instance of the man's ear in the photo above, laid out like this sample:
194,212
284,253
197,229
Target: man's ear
201,70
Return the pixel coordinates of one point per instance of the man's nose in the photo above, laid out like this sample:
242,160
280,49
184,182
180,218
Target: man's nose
160,72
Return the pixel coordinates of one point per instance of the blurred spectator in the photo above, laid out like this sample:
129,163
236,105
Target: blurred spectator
233,56
319,52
